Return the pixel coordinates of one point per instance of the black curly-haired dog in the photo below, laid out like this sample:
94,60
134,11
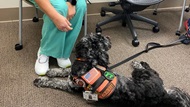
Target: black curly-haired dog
143,89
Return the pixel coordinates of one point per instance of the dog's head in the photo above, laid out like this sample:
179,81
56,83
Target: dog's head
93,48
90,51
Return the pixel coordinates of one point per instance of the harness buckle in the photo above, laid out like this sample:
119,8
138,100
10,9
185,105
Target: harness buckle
88,95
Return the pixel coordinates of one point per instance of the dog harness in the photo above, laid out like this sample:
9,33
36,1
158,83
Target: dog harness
99,81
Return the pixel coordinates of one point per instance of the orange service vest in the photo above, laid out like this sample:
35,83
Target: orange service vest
99,81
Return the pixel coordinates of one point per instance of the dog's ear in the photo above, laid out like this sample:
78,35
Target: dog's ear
83,47
94,48
103,59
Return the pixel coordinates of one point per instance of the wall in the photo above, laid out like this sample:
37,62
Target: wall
15,3
9,9
11,4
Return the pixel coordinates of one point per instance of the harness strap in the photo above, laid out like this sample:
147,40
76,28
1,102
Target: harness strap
100,80
149,46
98,83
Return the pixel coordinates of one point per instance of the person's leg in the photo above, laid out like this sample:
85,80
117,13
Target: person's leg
76,22
53,40
72,35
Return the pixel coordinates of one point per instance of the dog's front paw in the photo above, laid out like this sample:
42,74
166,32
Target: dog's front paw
41,81
53,72
137,65
58,72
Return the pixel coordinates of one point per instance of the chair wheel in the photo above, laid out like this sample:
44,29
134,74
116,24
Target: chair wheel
187,10
35,19
98,30
155,29
135,42
177,33
18,47
83,22
124,24
155,13
103,13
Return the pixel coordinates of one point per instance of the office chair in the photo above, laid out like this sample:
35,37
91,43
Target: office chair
19,45
128,13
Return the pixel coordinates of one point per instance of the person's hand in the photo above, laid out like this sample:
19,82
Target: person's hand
62,23
71,11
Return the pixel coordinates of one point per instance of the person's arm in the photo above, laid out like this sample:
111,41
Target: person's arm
60,21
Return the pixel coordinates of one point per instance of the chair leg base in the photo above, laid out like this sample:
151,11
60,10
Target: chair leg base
18,46
35,19
178,33
98,30
155,29
126,20
154,13
135,42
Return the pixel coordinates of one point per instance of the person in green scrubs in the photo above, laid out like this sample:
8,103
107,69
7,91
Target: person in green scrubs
62,25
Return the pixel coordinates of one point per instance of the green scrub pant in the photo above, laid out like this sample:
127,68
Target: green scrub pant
56,43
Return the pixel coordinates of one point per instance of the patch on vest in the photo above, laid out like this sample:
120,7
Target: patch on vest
108,91
109,75
92,76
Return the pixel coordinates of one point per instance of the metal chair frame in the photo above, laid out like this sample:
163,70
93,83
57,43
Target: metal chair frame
178,32
181,18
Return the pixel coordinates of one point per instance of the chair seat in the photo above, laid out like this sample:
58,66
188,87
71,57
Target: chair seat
144,2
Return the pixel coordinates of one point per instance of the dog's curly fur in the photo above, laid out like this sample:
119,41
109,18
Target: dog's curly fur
143,89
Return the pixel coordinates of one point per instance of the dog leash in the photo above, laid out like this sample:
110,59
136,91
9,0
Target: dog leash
151,46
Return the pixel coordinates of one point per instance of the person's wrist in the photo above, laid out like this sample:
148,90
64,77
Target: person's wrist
56,19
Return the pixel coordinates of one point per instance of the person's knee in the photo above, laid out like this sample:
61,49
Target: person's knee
61,7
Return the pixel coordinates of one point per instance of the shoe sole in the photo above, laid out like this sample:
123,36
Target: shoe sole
68,66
